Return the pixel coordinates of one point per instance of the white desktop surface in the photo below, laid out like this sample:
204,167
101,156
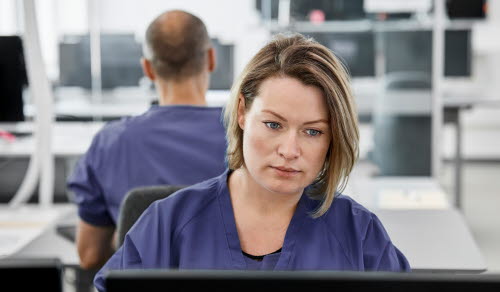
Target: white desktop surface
397,192
120,102
68,138
34,228
52,245
433,240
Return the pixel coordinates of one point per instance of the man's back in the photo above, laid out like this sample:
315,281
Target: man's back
179,145
180,142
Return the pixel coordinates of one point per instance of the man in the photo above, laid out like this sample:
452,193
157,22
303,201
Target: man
180,141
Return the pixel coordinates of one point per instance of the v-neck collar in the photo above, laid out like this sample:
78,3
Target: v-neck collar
236,256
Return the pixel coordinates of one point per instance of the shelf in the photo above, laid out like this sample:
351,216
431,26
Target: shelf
365,25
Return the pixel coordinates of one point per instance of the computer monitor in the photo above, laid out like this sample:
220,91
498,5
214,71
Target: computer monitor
31,274
300,9
411,51
12,79
458,53
355,49
213,280
222,77
466,9
268,6
120,61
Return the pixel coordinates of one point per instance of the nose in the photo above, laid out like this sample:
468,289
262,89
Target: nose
289,147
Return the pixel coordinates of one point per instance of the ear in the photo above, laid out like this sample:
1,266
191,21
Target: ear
212,59
241,112
147,68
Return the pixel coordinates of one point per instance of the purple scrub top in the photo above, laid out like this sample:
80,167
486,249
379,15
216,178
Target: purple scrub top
195,228
176,145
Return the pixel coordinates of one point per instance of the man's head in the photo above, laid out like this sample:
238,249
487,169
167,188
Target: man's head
177,47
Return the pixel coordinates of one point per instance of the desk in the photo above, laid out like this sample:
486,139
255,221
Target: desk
432,240
52,245
69,139
432,234
78,104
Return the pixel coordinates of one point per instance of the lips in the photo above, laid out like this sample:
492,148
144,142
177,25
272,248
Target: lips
285,172
286,169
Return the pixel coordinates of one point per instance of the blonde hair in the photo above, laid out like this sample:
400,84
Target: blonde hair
313,64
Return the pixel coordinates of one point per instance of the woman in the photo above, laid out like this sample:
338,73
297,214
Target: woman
292,142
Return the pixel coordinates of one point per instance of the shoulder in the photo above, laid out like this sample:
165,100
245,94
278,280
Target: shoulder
363,236
347,214
111,133
348,206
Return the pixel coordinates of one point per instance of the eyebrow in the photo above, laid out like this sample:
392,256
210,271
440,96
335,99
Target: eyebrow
306,123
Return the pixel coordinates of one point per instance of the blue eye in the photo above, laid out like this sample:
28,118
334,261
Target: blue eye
272,125
313,133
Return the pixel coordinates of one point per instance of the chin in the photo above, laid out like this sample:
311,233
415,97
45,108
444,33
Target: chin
283,187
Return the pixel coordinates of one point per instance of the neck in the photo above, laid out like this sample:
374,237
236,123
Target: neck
190,91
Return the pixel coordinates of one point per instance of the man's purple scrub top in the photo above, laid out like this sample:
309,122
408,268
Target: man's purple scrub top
172,145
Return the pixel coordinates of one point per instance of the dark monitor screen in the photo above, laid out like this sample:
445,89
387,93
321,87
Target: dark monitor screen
27,274
458,53
199,280
120,61
222,77
300,10
332,9
12,79
411,51
355,49
466,9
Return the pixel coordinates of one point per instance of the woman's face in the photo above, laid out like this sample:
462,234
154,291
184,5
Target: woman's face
286,135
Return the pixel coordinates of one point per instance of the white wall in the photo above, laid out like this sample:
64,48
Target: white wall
231,21
8,17
235,22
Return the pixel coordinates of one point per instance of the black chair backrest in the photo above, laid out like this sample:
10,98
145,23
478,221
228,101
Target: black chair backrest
136,201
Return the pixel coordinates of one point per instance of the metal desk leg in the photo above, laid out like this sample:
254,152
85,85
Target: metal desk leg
458,161
84,280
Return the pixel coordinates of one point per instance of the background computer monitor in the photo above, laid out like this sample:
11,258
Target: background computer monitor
355,49
222,77
120,61
466,9
197,280
300,9
12,79
31,274
411,51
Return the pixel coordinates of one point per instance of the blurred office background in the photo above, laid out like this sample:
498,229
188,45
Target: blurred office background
387,47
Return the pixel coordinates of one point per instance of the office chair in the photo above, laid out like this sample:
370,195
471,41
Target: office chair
136,201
